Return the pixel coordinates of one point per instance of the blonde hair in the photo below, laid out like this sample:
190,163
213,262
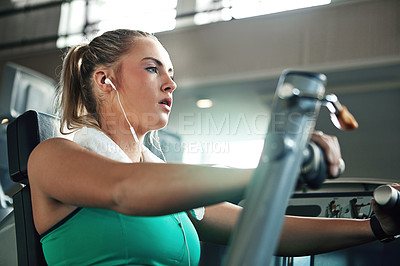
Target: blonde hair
77,104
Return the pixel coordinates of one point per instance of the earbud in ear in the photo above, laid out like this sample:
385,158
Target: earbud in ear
108,81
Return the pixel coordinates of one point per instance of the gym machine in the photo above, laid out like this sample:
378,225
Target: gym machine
297,101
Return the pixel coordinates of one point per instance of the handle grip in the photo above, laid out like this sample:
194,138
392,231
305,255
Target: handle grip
344,120
314,169
388,197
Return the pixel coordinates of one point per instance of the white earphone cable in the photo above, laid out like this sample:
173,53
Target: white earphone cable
126,118
108,81
184,235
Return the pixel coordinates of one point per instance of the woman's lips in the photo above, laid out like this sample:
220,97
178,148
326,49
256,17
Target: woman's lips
167,102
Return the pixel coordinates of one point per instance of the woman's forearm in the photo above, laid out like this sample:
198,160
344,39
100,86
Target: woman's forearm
305,236
300,236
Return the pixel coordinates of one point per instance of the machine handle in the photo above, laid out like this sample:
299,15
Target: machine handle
388,197
343,119
340,115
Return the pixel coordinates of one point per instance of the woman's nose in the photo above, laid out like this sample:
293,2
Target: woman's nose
170,85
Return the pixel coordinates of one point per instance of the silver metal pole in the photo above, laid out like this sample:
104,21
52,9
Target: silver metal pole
293,119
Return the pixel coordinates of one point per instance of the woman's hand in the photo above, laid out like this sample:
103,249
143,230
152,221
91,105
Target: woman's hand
390,222
330,145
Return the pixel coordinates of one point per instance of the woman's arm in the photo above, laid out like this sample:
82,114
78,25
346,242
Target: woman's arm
300,236
64,171
305,236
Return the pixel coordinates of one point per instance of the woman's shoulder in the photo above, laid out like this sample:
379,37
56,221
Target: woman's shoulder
49,150
51,144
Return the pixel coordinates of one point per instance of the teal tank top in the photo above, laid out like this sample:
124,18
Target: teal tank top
91,236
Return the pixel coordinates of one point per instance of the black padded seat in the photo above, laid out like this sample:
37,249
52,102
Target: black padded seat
23,135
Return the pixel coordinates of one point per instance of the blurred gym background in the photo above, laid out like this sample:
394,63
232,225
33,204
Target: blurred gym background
228,56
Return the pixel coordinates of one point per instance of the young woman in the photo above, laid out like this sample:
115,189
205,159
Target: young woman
105,199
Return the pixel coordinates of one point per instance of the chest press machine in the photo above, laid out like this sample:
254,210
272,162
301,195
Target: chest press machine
298,99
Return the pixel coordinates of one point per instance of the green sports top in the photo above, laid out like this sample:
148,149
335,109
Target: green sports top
90,236
103,237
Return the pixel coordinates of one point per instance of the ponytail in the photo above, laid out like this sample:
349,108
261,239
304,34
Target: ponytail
73,93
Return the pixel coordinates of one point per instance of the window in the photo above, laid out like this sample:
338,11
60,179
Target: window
222,10
82,19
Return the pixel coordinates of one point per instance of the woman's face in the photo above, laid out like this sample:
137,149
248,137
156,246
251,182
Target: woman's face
146,85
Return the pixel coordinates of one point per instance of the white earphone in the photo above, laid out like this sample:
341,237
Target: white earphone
108,81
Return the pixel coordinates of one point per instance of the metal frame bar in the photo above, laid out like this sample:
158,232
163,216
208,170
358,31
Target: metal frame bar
257,234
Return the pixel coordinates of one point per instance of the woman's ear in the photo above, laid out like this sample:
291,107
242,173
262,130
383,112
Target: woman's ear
99,78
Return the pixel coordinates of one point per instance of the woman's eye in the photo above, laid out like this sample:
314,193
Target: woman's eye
152,69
